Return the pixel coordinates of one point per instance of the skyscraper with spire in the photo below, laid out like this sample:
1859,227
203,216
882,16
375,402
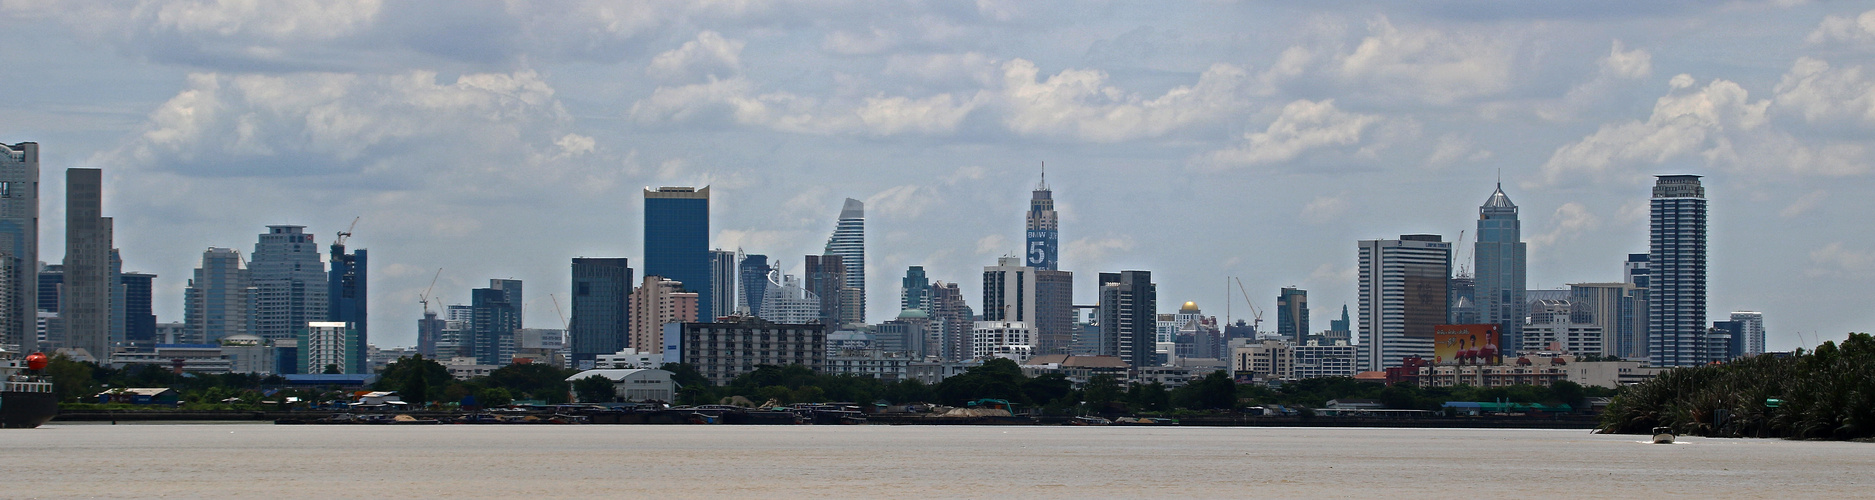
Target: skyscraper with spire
1499,252
849,242
1043,228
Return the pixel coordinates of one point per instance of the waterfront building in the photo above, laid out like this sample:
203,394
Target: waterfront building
914,290
1128,304
133,308
289,280
887,366
601,322
1009,291
1014,340
786,302
1676,308
677,240
1402,297
326,346
216,301
1561,325
86,307
754,271
347,297
1751,327
1733,334
1262,361
909,333
1292,313
849,243
1044,230
1054,311
1315,359
19,244
722,351
1077,368
723,274
633,385
495,313
657,302
953,319
826,278
1500,258
1613,307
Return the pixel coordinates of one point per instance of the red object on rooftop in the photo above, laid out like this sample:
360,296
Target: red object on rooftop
36,361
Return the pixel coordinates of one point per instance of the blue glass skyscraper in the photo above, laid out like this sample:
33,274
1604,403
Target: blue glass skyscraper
1676,266
677,241
1499,292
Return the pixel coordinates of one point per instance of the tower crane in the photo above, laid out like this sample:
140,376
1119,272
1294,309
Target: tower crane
1255,314
347,233
424,298
556,310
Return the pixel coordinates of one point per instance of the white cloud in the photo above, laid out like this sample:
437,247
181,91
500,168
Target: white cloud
1824,94
1632,64
1859,30
1452,148
1836,259
1430,65
1804,204
1095,250
968,68
1329,273
1304,125
709,55
1568,222
903,202
873,41
1683,122
994,244
1078,104
1324,209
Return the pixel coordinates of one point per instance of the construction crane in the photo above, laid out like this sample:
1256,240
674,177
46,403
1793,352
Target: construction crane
347,233
556,310
424,298
1464,261
1256,314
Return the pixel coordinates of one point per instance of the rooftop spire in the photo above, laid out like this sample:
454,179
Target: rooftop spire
1043,185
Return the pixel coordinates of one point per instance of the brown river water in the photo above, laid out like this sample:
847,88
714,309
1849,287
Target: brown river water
457,461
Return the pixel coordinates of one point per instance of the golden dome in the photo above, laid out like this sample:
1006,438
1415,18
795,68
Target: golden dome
1190,308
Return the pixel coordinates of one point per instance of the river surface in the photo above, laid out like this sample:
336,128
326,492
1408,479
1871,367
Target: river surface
686,461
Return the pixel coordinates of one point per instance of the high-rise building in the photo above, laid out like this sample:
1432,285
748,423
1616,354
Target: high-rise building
87,295
826,278
1635,272
1676,298
51,278
19,242
758,342
1403,295
139,318
346,299
430,334
1054,311
495,313
1009,291
657,302
677,240
1751,327
1500,263
1044,229
849,243
914,290
1292,314
1462,300
1610,307
326,346
601,322
952,319
1341,325
1129,302
290,280
754,269
723,275
785,301
219,299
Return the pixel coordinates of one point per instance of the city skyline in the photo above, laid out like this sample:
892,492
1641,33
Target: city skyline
516,174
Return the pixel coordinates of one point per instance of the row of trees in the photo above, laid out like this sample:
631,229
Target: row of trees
1828,393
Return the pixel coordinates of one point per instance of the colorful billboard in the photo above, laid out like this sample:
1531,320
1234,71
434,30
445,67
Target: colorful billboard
1467,345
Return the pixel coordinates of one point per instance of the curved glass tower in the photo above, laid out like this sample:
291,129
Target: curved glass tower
849,242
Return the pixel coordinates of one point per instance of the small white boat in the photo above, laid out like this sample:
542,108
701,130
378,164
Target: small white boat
1663,435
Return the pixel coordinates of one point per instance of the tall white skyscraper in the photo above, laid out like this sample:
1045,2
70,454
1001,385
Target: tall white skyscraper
849,242
217,302
1751,325
1676,296
1009,291
290,282
1403,296
19,243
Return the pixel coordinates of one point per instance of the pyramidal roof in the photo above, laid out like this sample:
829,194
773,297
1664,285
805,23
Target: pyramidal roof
1498,199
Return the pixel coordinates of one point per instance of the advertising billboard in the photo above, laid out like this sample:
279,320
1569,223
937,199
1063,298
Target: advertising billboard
1467,345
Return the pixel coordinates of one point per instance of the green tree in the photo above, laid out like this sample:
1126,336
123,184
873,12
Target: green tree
1148,397
71,380
332,370
996,378
595,389
1101,391
1212,392
416,379
1049,388
495,397
532,381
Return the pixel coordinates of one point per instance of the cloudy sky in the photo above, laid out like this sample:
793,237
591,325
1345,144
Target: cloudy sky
1195,139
